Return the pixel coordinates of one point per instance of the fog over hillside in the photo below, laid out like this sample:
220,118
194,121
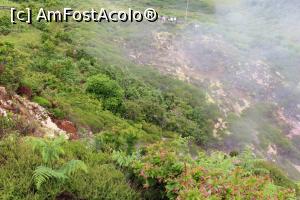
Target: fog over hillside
269,28
246,54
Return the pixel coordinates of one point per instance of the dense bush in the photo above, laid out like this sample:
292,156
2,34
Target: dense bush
166,169
18,162
133,111
11,71
107,89
124,139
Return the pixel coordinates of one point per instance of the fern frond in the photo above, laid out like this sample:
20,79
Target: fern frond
73,166
43,174
122,159
60,140
36,143
50,150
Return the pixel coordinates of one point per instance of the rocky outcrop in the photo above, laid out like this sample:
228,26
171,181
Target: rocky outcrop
5,104
31,113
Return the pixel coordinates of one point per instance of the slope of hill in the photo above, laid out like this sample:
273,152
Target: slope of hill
135,133
246,58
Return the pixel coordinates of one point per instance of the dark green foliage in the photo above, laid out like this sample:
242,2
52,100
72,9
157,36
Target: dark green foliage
124,139
234,153
103,87
40,25
63,36
107,89
5,25
154,113
132,111
57,113
40,82
11,71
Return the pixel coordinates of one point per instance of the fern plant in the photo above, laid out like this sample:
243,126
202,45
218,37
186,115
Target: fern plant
51,150
122,159
43,174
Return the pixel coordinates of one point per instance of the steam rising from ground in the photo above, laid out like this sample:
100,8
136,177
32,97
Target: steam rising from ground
269,28
246,54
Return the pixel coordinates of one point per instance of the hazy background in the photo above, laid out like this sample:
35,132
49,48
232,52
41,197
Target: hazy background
244,53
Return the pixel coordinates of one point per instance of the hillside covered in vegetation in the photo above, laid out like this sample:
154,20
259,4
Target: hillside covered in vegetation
80,120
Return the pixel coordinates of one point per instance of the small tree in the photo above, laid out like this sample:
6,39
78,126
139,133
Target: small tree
107,89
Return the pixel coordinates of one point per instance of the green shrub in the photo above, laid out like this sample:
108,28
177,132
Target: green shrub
108,184
42,101
154,113
11,70
7,124
83,65
57,113
43,26
39,82
5,25
64,36
107,89
124,139
48,47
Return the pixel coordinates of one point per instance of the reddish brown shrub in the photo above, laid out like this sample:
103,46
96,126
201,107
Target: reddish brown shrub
24,91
